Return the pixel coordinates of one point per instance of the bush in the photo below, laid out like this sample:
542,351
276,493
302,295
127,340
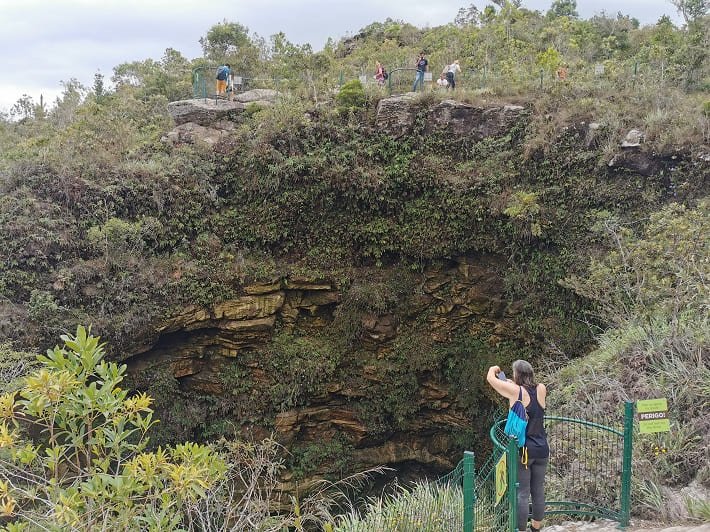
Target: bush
651,289
351,96
72,449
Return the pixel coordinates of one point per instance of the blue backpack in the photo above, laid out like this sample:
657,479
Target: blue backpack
222,73
517,422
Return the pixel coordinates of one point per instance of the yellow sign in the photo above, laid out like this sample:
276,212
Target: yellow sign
501,477
653,416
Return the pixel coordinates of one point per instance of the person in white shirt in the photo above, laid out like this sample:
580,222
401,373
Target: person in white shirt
450,72
441,82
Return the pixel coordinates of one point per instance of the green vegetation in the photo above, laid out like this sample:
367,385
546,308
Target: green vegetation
351,96
73,457
651,289
87,466
423,507
586,247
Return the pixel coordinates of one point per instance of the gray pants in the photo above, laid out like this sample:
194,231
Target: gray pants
532,483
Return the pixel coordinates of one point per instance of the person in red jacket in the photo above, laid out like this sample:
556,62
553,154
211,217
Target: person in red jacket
380,74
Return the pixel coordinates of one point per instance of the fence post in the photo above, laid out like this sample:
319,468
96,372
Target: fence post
513,458
469,494
625,512
542,74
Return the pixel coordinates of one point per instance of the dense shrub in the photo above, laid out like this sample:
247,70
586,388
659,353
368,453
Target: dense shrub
351,96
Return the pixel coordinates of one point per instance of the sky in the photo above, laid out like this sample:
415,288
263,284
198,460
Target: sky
45,42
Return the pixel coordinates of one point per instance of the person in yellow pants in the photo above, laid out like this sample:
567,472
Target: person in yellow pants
223,73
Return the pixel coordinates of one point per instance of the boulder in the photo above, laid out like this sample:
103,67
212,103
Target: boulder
260,96
192,133
462,119
640,162
204,111
633,139
396,115
207,111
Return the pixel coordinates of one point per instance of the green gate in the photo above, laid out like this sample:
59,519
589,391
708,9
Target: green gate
589,474
199,81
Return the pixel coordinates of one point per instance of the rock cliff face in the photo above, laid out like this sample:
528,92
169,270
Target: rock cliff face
370,372
199,346
397,115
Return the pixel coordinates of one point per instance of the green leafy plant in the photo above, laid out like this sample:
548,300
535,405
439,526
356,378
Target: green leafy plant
72,449
351,96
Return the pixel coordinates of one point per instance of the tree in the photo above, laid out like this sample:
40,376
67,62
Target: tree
230,42
99,88
691,10
467,16
662,272
66,106
504,3
25,108
169,77
694,50
563,8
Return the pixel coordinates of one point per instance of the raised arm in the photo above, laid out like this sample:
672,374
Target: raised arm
506,388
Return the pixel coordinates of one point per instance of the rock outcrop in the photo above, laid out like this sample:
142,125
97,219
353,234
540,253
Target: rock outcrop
208,121
208,111
199,346
396,115
192,133
204,111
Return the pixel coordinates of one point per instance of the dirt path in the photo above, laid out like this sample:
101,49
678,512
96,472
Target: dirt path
636,526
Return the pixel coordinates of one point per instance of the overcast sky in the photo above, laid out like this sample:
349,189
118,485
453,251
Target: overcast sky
44,42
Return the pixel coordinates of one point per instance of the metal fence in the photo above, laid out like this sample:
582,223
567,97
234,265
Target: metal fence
602,77
204,86
589,474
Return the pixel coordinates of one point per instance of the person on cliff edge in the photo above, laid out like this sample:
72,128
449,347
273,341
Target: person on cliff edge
223,74
422,64
450,71
531,475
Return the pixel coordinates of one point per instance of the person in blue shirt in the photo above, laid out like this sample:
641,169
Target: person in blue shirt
422,65
223,73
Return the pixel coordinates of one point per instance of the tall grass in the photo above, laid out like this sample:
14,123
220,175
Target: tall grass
427,507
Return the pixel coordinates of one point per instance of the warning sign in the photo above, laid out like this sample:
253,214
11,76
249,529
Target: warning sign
653,416
501,477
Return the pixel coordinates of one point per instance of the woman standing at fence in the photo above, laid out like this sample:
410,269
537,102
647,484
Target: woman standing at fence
531,475
380,74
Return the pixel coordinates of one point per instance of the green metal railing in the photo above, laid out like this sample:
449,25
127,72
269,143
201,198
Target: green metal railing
589,471
589,474
591,79
203,82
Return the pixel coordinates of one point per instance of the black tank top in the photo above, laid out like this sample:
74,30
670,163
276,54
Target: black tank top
535,436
